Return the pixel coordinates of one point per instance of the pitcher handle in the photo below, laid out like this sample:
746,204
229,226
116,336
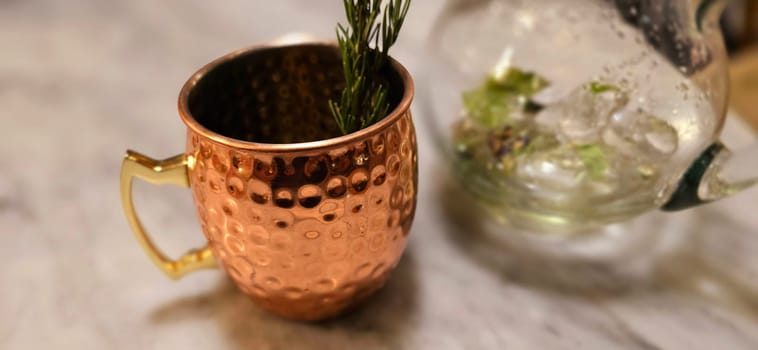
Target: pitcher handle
718,173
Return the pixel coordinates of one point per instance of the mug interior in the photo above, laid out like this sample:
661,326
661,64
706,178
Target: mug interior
276,95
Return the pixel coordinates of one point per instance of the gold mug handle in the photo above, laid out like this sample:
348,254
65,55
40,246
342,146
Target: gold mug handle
174,171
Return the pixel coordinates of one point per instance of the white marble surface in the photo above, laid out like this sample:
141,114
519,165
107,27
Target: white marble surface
80,81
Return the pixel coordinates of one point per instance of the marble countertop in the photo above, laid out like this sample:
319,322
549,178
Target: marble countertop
81,81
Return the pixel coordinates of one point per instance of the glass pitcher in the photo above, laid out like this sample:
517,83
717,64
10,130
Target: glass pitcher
563,116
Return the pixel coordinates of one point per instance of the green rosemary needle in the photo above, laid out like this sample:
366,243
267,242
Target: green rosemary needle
364,99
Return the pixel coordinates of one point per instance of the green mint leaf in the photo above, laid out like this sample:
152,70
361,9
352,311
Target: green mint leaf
489,107
594,159
521,83
597,88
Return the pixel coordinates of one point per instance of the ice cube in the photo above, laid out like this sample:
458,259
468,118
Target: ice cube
548,119
570,171
586,112
642,136
558,168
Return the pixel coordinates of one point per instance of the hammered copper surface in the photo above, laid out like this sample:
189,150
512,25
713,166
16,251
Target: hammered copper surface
308,231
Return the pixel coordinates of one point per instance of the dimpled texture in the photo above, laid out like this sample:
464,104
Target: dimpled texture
308,234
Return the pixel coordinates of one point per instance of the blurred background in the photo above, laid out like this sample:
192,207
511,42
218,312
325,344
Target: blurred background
83,80
740,24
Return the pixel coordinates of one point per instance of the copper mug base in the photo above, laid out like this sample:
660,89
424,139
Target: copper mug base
307,229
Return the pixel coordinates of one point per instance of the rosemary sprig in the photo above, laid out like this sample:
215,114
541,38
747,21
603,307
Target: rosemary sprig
364,99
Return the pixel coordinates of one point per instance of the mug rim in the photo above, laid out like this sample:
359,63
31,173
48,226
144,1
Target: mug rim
184,112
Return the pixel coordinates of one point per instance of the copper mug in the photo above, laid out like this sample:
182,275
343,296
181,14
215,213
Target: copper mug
306,228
